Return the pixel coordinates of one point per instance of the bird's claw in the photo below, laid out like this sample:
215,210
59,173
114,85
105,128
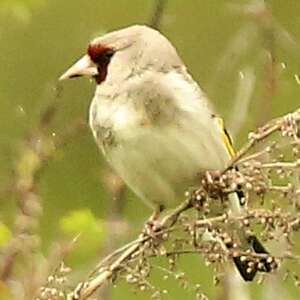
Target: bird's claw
152,225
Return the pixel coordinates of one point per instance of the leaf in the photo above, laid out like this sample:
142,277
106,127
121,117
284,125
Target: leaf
90,229
5,234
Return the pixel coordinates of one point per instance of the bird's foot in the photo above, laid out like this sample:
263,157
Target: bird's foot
211,176
152,225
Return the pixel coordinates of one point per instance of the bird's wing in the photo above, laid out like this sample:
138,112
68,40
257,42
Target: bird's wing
227,140
236,205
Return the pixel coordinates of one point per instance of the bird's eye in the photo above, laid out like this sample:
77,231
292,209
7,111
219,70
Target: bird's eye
104,57
108,55
100,53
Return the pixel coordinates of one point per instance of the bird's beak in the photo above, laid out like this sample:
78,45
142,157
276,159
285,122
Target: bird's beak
83,67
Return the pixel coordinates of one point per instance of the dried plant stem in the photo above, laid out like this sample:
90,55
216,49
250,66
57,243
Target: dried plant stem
157,14
87,288
120,260
262,134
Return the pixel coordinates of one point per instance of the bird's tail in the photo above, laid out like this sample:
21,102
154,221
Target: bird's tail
248,265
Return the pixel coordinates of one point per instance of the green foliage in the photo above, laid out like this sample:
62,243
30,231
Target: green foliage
90,232
5,293
5,234
19,9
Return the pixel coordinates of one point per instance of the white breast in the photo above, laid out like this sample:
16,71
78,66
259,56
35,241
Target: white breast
158,159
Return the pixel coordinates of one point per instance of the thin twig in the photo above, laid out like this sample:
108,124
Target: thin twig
155,20
261,135
86,289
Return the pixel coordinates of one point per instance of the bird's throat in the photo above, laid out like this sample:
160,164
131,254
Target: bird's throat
102,72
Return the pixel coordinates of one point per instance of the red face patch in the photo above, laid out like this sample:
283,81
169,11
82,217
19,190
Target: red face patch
101,55
96,51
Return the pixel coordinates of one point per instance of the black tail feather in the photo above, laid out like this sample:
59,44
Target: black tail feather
247,273
248,267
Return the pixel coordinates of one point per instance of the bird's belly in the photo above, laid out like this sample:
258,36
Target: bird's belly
157,161
159,164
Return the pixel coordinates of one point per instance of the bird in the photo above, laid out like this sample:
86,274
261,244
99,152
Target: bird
153,123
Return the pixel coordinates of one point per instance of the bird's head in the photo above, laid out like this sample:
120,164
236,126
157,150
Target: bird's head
121,53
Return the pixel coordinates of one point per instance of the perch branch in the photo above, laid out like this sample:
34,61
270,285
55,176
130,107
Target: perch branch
119,260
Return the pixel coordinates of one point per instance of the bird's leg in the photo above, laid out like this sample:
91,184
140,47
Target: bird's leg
210,183
212,175
152,223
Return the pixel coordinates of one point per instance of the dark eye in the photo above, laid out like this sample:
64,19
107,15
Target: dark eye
100,53
106,56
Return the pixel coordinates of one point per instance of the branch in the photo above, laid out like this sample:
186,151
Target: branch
149,245
263,133
157,14
87,288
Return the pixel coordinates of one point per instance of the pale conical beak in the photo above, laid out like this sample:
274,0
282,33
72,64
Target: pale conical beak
83,67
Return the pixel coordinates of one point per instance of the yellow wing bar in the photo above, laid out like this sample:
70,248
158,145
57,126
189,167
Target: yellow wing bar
225,136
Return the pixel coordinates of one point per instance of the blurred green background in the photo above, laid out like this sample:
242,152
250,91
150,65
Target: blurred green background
220,42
